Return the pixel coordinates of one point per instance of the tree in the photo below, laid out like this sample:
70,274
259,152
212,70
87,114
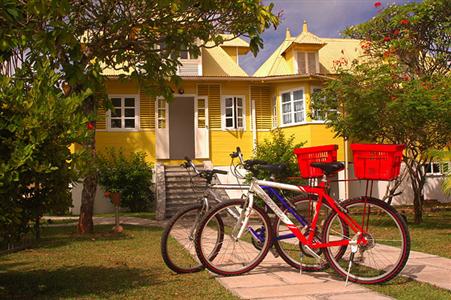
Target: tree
400,91
37,125
141,38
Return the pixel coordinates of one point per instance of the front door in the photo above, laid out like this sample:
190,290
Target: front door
181,128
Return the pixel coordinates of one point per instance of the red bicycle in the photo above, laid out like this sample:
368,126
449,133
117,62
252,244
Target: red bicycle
363,239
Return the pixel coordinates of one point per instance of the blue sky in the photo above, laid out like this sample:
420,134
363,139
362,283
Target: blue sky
325,18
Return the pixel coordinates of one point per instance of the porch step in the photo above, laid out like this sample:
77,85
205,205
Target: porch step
179,192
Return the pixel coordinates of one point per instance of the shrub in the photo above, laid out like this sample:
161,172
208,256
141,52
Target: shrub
130,175
277,150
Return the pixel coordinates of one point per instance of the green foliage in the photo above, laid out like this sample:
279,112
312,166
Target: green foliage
131,176
278,150
400,92
141,39
418,34
37,126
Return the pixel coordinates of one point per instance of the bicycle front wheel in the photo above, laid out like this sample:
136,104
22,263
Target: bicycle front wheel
388,243
177,240
237,254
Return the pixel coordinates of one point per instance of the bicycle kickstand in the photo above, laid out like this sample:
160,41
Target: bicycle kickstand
354,249
300,266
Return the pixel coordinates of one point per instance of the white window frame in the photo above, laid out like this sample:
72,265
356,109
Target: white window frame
223,114
295,61
440,167
137,112
291,92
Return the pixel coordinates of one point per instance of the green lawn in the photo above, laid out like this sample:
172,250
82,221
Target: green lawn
433,235
103,265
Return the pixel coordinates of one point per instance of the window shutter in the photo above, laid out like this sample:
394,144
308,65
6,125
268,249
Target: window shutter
147,111
301,63
311,63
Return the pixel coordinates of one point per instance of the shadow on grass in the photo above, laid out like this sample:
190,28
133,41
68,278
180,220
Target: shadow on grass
72,282
54,237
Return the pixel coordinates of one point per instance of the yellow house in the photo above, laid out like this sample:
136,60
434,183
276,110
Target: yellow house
219,107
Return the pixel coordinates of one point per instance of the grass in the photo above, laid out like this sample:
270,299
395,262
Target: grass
103,265
145,215
433,235
404,288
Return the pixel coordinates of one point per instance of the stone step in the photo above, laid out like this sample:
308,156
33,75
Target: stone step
172,197
184,179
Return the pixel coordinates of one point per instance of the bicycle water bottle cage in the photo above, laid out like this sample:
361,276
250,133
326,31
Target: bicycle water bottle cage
328,168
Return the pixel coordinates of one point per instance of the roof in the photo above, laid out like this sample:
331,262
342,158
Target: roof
216,62
234,42
333,49
308,38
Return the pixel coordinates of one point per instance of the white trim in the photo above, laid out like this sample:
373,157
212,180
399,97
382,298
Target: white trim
254,125
137,113
290,91
201,135
223,116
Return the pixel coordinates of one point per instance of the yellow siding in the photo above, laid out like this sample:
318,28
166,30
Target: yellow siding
262,97
222,143
289,57
143,141
238,89
321,135
214,103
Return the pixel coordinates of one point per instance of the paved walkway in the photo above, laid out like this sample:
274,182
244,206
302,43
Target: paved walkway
273,279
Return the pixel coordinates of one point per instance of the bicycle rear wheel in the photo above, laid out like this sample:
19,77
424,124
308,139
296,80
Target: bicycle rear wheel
386,251
236,255
291,250
177,240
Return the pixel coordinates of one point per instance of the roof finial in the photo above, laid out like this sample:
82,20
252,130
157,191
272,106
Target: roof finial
305,27
287,34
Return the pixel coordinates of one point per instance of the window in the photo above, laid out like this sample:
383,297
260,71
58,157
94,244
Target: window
124,114
233,112
292,103
437,168
307,62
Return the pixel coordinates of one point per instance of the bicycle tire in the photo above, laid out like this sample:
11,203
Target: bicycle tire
291,254
387,250
185,264
243,246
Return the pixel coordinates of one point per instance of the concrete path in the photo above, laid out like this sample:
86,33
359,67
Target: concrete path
274,279
108,221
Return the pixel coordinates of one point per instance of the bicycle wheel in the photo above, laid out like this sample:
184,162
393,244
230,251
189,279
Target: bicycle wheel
290,249
177,241
236,255
387,250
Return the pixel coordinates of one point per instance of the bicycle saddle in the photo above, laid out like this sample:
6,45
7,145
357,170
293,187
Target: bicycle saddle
328,167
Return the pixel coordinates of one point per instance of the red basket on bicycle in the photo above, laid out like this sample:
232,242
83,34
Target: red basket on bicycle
377,162
308,155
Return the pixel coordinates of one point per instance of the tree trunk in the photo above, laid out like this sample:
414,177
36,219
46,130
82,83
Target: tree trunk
418,207
37,228
85,222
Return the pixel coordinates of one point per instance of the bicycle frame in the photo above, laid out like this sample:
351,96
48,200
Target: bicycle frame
258,188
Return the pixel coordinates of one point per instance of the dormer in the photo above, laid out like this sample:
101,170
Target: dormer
235,47
303,51
191,66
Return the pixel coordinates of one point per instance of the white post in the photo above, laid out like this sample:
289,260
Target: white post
254,125
346,169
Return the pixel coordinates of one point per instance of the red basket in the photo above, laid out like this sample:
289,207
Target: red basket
314,154
377,162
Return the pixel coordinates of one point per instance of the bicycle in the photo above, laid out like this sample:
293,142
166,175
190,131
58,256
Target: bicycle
362,239
177,240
